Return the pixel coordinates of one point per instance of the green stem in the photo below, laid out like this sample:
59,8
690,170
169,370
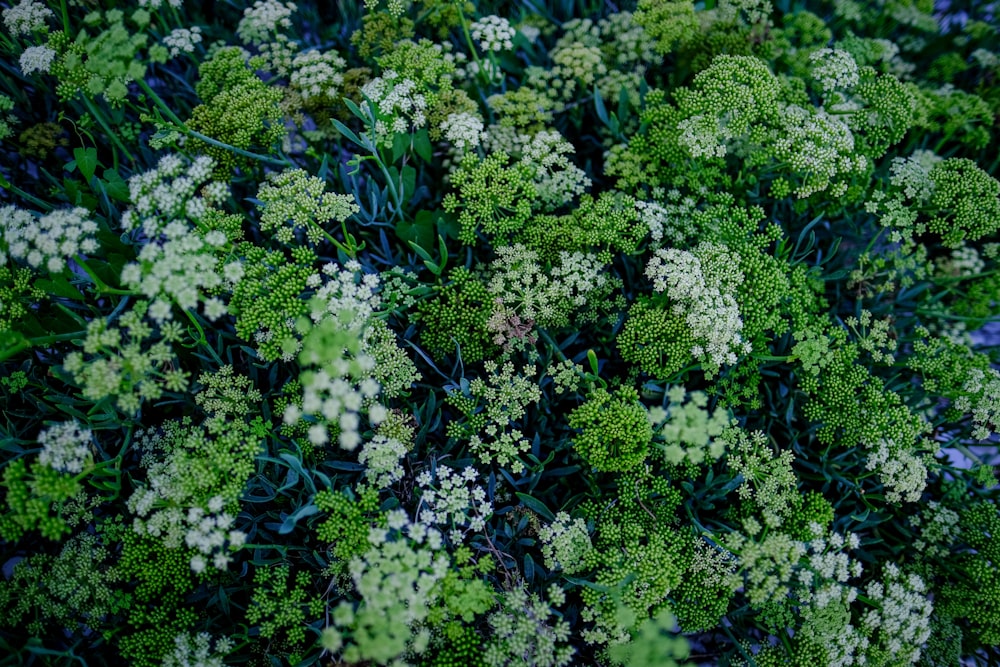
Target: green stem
26,196
393,192
102,288
202,340
161,105
967,453
468,40
239,151
544,335
183,127
65,17
107,130
55,338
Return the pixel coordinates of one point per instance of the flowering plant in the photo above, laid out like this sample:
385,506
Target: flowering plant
427,332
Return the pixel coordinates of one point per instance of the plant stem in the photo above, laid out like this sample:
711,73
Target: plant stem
102,288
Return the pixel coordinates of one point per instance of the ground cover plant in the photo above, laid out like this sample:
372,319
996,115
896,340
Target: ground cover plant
430,332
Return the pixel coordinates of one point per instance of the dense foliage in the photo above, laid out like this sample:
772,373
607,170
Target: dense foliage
430,332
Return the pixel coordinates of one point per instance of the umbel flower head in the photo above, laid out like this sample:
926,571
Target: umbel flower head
47,243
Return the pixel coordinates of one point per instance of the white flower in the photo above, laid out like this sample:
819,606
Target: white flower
50,240
182,40
262,21
198,564
464,130
316,74
493,33
26,17
37,59
834,69
65,447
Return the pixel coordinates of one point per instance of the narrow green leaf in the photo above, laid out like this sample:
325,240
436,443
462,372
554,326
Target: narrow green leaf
536,506
347,132
288,525
602,111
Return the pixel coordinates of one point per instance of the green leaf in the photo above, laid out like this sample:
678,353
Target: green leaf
409,181
422,145
59,286
354,109
348,132
86,161
400,144
536,506
424,255
420,231
288,525
602,111
115,186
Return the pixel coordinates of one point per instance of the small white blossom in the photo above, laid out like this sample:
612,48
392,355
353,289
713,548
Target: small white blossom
464,130
26,17
37,59
834,69
493,33
182,40
266,18
65,447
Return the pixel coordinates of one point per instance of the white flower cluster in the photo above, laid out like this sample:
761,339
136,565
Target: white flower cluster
580,64
463,130
457,502
938,529
382,458
264,20
828,560
834,69
903,474
901,617
701,136
37,59
964,261
986,59
156,4
48,242
670,220
182,40
398,105
65,447
179,264
348,296
210,532
160,512
341,385
26,17
982,400
704,297
174,190
820,146
557,180
565,544
339,399
912,175
524,295
181,270
398,580
493,33
317,74
198,650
